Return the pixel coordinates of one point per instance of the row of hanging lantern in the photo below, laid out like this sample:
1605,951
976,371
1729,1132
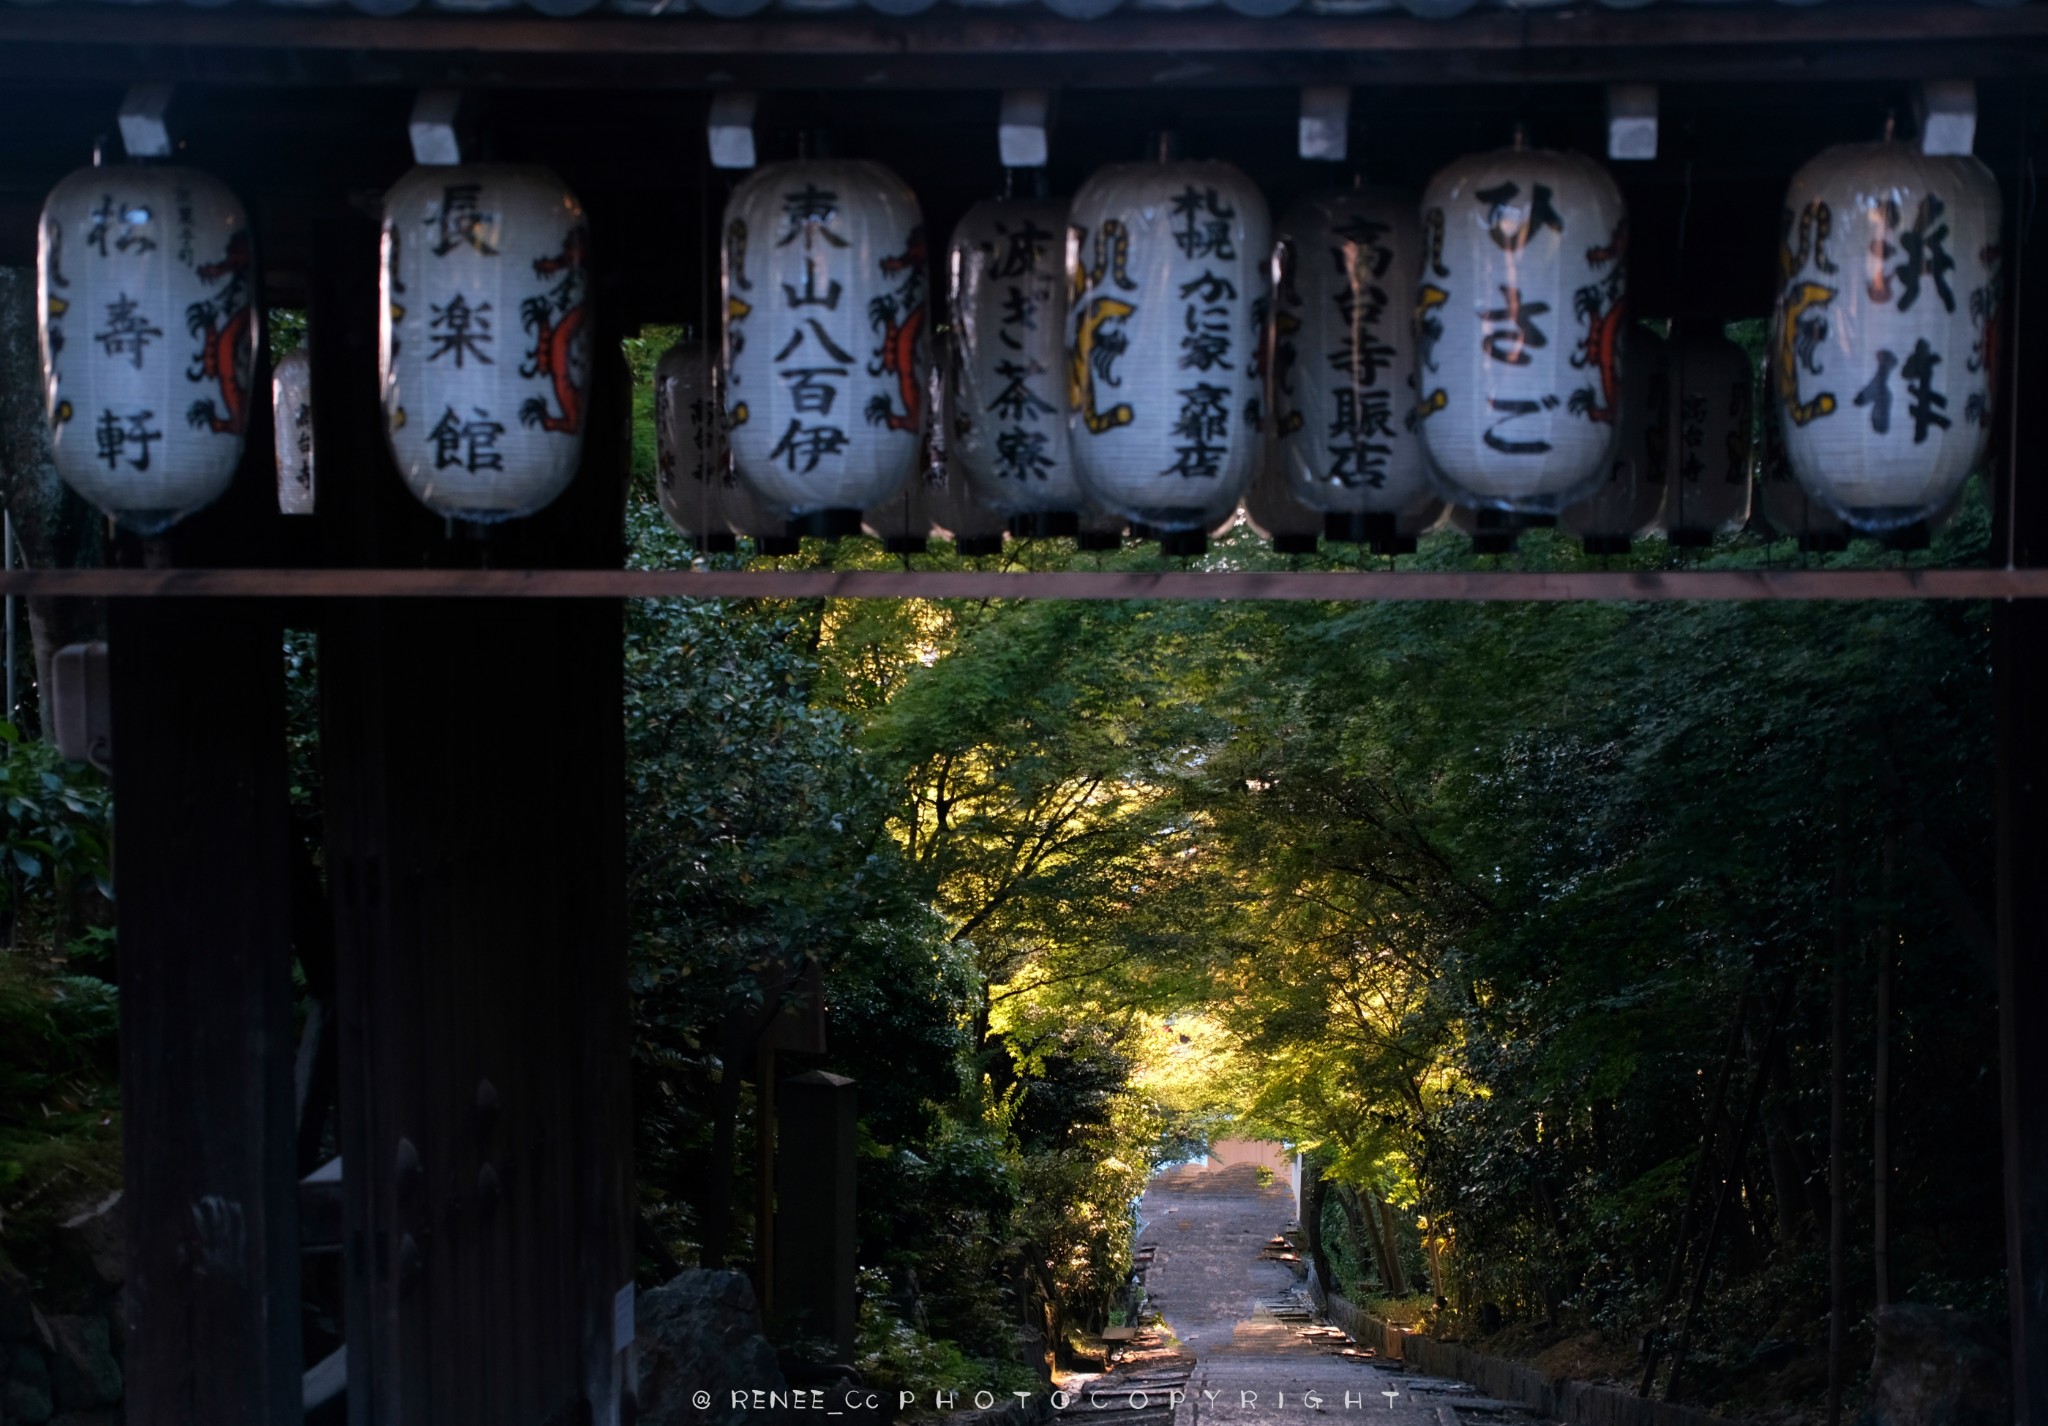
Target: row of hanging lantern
1145,354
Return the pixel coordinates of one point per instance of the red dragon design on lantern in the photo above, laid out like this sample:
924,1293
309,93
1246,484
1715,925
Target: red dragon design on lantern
900,316
556,318
221,325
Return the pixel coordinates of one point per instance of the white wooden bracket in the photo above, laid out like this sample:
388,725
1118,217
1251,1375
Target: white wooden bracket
436,126
1631,122
1948,116
1325,127
144,120
1024,128
730,128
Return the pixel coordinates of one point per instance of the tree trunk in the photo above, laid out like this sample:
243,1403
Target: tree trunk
1880,1132
1366,1237
1788,1174
1838,1238
1314,1192
1390,1250
1731,1174
54,527
1652,1340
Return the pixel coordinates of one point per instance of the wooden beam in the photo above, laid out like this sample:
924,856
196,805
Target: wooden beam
953,48
944,31
1535,586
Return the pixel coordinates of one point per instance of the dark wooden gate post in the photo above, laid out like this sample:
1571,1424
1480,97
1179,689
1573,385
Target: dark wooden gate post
202,876
474,773
2020,671
206,1014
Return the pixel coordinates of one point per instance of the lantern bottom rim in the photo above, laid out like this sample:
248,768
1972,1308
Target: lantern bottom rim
1358,527
834,523
1045,525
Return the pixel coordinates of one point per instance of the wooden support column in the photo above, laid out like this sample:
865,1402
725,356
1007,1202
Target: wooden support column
2019,631
202,877
474,771
206,1014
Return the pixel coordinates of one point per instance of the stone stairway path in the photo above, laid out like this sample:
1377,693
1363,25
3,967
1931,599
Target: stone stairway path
1253,1350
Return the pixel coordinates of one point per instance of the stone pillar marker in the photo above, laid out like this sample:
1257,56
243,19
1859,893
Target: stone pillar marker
814,1225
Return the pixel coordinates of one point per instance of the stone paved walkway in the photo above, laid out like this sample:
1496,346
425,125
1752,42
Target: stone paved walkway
1261,1358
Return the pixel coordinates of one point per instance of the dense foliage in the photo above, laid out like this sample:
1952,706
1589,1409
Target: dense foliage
1523,876
59,1124
1526,923
1529,925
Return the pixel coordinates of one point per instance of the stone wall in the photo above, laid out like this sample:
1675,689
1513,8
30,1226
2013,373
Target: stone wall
60,1359
1578,1403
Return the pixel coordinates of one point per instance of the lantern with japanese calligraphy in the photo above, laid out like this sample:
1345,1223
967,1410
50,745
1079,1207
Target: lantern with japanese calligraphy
1008,377
1624,505
959,514
291,414
1100,530
1706,487
1494,531
145,283
1344,363
958,510
1884,346
484,342
1425,512
903,522
1289,526
1787,510
826,315
1519,312
693,476
1167,270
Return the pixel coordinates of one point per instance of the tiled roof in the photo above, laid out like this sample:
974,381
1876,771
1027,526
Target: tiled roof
1072,9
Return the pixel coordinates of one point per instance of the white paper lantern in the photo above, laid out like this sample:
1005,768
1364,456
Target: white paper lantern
1289,526
903,522
484,342
1344,369
1493,531
1008,376
960,516
1885,342
694,480
1100,530
827,310
1519,314
1422,515
1168,275
146,280
958,512
1706,487
291,414
1625,505
1787,509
